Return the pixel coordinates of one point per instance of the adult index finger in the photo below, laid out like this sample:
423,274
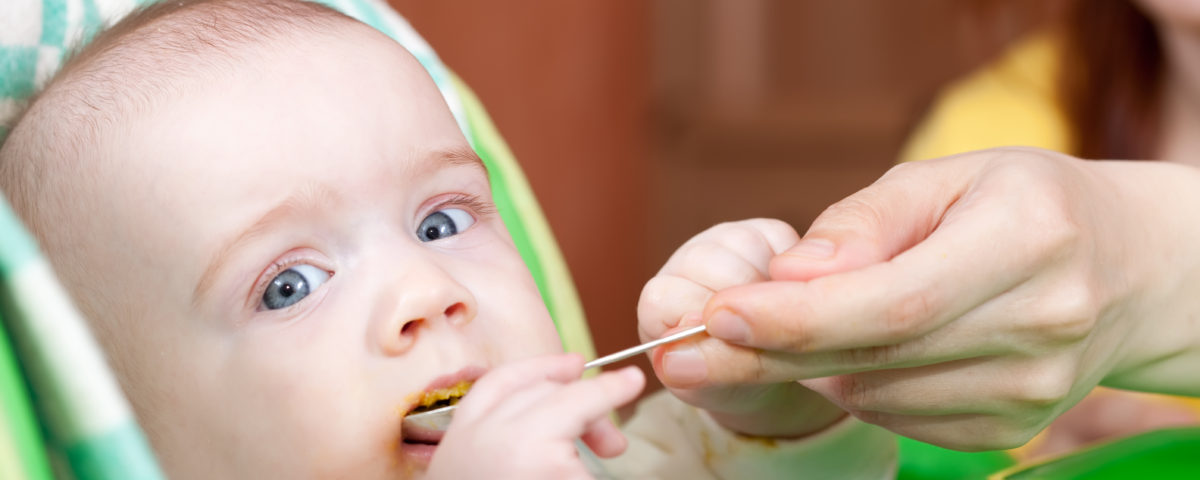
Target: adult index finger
956,268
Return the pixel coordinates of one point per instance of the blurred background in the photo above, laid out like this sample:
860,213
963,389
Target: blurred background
640,123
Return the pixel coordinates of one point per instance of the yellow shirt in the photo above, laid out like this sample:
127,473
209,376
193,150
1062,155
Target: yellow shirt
1012,101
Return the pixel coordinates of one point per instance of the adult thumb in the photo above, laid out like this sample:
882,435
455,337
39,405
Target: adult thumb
874,224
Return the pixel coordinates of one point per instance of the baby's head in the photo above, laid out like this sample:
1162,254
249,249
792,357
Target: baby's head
278,231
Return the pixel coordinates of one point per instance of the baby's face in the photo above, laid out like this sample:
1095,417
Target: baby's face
302,250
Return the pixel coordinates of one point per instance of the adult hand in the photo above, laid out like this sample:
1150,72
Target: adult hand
968,301
721,257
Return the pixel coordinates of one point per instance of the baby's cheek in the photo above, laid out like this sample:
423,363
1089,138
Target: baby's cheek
517,316
368,448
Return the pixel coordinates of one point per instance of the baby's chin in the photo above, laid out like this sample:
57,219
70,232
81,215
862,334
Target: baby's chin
416,446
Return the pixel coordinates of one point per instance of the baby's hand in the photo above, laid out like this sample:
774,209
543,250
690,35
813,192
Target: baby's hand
521,420
724,256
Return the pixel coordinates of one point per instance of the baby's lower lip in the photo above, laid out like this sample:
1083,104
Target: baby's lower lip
420,454
419,445
420,436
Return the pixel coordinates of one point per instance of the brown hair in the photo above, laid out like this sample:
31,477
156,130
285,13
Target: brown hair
1111,79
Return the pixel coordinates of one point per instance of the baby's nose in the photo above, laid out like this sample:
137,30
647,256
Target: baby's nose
450,304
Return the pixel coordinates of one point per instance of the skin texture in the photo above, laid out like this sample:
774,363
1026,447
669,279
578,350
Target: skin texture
965,301
195,204
725,256
519,421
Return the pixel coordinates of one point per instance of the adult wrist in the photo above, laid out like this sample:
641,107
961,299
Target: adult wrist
1161,267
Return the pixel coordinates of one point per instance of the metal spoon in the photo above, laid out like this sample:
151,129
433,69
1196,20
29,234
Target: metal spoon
439,419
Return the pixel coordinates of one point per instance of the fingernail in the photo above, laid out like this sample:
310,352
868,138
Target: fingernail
631,374
728,326
685,366
812,249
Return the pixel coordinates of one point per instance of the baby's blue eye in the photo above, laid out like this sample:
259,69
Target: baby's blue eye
444,223
292,285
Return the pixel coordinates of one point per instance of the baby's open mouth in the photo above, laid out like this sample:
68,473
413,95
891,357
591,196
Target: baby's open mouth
418,433
441,397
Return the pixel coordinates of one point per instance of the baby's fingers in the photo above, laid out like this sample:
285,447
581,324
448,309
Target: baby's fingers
664,302
575,407
726,255
604,438
498,385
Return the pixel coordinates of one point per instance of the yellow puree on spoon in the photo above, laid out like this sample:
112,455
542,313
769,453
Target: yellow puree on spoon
442,397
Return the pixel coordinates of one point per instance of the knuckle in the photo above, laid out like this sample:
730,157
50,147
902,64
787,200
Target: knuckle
649,330
903,169
870,357
795,335
853,212
777,234
717,266
772,226
1068,317
1046,387
751,239
740,273
1060,234
699,253
687,254
656,312
656,295
852,394
908,316
1021,160
723,229
757,370
1055,233
739,365
741,233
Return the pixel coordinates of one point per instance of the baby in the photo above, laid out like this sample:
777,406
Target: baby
284,242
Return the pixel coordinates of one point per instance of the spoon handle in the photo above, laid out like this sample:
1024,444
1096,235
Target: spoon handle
631,351
439,419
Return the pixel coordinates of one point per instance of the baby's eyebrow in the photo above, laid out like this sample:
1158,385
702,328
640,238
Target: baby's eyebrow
311,196
460,156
